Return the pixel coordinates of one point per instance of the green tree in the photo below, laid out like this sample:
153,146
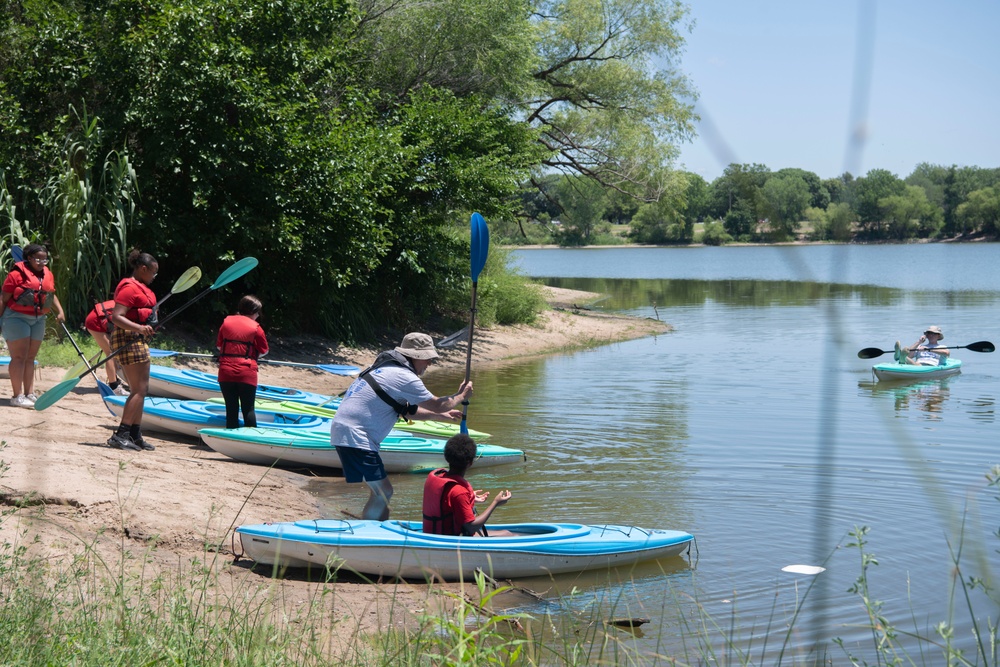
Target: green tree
819,196
583,202
869,191
785,199
602,110
910,214
981,211
665,221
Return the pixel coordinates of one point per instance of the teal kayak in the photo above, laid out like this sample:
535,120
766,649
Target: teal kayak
432,429
406,453
915,372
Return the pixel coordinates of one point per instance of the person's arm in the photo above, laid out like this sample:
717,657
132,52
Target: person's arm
60,314
477,524
444,406
119,320
260,342
4,298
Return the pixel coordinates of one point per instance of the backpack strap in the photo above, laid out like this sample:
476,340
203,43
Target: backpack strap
389,358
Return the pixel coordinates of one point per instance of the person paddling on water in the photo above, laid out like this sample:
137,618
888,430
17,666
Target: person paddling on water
927,351
449,500
387,390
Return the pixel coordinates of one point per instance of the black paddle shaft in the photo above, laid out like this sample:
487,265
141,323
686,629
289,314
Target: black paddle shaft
978,346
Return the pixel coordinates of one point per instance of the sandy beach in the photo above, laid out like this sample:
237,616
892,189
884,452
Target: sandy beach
180,503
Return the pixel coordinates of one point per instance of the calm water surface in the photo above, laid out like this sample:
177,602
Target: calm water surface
754,426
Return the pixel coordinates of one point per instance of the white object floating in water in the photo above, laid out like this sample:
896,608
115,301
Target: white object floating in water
803,569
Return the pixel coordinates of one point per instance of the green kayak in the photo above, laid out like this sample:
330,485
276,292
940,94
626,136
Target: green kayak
429,428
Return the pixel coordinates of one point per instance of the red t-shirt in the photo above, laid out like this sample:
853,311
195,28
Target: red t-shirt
137,297
240,341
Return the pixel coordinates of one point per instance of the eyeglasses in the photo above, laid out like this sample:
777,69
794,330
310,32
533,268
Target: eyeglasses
39,260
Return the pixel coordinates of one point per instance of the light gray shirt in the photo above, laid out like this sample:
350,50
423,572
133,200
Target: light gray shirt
363,419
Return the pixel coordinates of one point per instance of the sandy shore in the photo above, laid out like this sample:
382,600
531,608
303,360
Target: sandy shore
181,502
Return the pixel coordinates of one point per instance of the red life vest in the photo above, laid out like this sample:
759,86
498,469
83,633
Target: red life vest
237,337
34,294
138,297
99,319
438,517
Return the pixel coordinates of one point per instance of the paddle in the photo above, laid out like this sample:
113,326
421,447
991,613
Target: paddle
479,249
238,269
336,369
186,281
978,346
16,253
103,387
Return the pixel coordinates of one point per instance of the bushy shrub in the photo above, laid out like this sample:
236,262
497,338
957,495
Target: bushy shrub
715,234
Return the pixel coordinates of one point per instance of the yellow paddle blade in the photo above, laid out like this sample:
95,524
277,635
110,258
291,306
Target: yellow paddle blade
187,280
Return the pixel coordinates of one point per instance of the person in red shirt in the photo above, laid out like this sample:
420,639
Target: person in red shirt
133,317
27,296
98,325
449,500
240,342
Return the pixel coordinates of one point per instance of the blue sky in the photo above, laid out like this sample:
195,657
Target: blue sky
776,80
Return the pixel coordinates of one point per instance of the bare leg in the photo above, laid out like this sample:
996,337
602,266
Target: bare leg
377,507
138,381
22,364
104,343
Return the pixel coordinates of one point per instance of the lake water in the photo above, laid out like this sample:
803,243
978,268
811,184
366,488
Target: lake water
755,426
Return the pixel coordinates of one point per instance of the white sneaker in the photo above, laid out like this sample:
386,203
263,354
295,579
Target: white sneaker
120,390
31,397
20,401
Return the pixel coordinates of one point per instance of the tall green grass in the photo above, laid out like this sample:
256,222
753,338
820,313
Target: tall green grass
133,609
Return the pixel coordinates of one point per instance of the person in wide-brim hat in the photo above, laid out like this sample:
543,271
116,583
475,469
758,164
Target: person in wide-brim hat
927,351
384,392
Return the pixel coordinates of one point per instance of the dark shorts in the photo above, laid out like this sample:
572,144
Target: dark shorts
361,465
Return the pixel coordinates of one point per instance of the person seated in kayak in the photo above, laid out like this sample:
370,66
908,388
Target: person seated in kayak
927,351
449,500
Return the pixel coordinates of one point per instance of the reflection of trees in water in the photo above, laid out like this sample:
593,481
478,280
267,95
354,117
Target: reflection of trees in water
629,294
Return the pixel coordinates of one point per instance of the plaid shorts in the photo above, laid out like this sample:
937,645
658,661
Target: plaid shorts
136,350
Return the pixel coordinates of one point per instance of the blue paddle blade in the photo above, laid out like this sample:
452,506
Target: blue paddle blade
237,270
17,253
55,393
480,246
339,369
158,354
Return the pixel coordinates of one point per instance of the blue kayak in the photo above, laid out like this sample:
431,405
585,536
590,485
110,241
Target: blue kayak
400,548
185,383
172,415
914,372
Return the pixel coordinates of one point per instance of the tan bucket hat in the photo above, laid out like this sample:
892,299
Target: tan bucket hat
417,346
935,330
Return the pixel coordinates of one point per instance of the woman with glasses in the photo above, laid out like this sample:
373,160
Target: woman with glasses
27,296
133,317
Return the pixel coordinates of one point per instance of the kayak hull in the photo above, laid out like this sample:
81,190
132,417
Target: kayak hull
400,454
894,372
186,383
400,548
185,417
427,429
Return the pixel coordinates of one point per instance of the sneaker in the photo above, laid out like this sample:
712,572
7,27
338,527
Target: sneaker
898,353
120,390
31,397
142,444
123,442
21,401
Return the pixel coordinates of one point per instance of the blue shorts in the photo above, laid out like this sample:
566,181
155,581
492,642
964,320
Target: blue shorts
361,465
18,325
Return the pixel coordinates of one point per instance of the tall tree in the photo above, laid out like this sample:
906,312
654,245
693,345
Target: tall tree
607,97
785,198
869,190
981,212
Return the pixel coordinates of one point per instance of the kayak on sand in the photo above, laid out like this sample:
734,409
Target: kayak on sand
186,383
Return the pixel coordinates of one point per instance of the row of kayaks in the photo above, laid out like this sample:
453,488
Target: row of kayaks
294,430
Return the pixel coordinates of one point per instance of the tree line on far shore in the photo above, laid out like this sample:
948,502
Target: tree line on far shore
751,203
